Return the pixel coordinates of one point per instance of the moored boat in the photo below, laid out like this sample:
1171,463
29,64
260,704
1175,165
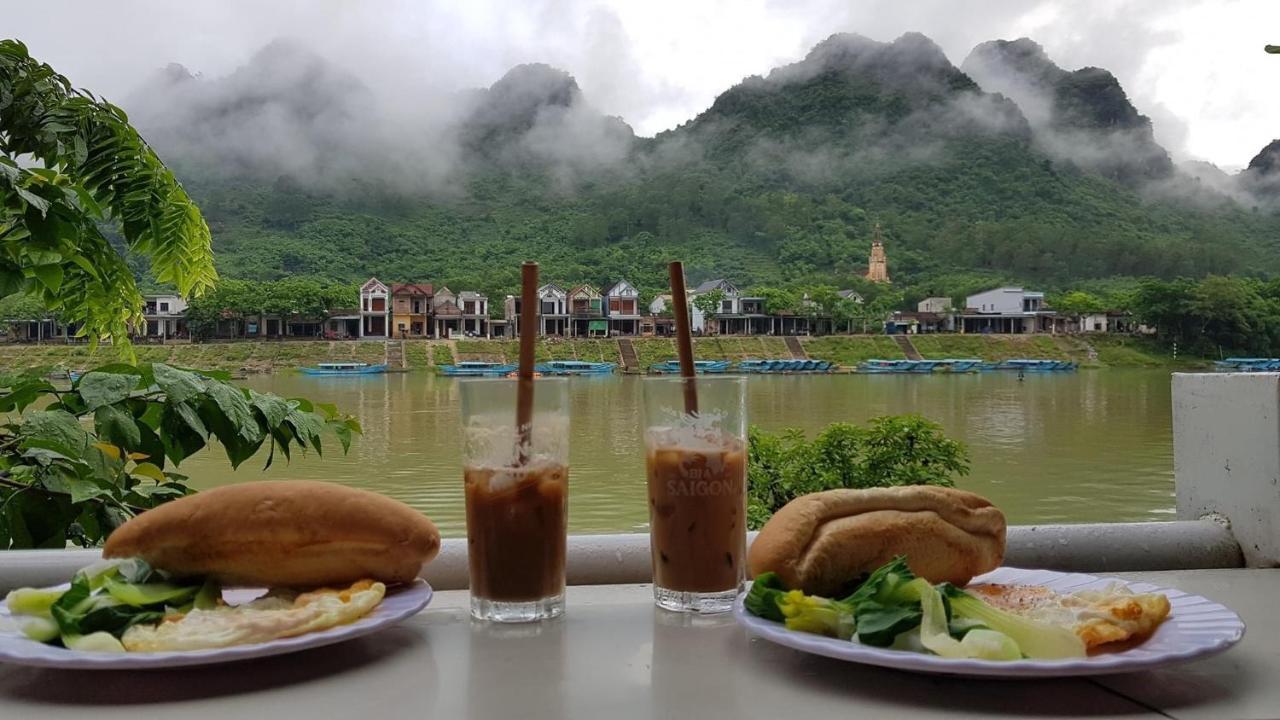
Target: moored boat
344,368
672,367
478,369
958,365
1244,364
575,367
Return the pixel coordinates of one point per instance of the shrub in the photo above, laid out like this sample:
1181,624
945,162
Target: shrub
888,451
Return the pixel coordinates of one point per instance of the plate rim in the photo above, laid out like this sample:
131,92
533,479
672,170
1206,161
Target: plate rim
80,660
1108,664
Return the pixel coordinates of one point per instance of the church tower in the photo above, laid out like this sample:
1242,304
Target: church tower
877,264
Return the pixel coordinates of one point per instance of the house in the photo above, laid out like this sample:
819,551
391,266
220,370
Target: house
935,314
851,295
553,310
586,312
446,314
659,320
374,303
622,306
738,314
341,324
411,309
36,330
165,316
475,313
1006,310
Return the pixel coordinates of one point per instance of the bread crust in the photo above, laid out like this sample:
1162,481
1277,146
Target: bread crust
824,541
292,533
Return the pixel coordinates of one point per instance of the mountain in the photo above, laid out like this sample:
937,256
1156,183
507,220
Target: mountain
1082,116
536,113
1262,176
302,168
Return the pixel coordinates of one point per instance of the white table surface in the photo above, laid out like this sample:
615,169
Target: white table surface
615,656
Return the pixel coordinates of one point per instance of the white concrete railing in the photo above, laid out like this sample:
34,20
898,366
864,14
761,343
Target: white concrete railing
624,558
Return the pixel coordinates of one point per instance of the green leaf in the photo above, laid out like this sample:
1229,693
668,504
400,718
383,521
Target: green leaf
235,407
33,200
181,431
117,427
50,276
273,408
101,388
61,480
55,430
179,386
149,470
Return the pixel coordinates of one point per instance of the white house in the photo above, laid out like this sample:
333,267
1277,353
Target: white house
939,305
1006,310
553,310
166,316
375,301
622,307
475,312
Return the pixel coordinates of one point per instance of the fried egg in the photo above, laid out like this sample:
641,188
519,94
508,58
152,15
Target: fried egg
1097,617
278,614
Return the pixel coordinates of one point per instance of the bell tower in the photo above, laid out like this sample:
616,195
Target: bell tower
877,263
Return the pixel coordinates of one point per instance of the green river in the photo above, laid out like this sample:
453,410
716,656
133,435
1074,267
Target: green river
1092,446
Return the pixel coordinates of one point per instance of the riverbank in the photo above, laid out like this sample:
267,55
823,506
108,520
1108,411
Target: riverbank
848,350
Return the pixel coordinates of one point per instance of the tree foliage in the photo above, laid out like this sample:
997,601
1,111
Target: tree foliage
75,464
887,452
307,297
1215,316
83,168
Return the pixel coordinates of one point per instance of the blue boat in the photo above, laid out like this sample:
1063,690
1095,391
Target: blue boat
672,367
877,367
478,369
1243,364
1030,365
575,367
344,368
959,365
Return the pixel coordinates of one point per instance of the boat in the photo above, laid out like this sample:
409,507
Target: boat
344,368
474,368
1036,365
672,367
575,367
959,365
783,366
1243,364
877,367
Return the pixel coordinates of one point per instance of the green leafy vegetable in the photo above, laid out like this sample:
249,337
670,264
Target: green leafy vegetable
819,615
32,601
763,598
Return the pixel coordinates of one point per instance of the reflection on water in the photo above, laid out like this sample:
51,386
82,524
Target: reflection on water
1081,447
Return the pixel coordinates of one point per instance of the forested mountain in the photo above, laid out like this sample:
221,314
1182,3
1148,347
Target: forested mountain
302,169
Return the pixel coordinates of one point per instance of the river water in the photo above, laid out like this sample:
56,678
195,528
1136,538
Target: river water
1091,446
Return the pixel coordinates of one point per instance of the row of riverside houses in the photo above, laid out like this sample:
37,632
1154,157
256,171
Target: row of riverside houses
417,310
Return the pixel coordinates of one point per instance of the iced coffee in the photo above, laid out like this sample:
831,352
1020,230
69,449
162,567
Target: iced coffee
697,475
516,532
517,487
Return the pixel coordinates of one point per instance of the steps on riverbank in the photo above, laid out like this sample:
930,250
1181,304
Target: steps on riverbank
795,348
630,361
395,354
908,349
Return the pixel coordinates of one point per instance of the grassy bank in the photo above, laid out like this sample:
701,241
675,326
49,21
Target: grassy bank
1090,351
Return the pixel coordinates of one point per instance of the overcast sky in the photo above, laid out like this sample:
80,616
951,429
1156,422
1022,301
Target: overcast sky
1195,66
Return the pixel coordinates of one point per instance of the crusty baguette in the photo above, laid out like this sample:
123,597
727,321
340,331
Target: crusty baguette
822,542
291,533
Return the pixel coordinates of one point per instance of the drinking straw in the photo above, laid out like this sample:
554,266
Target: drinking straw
524,374
684,338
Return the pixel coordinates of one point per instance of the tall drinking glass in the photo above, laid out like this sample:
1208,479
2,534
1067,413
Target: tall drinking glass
697,475
517,500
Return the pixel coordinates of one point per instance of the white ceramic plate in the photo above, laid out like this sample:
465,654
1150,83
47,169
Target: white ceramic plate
1196,628
399,603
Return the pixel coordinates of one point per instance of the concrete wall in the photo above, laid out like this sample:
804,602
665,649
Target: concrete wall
1226,456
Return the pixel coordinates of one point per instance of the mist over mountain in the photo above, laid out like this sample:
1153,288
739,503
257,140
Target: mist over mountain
1082,116
1008,170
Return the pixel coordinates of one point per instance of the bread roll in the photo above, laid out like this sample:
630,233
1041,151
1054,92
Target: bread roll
290,533
823,542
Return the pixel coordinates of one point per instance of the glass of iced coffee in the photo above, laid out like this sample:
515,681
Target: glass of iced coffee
516,498
697,475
